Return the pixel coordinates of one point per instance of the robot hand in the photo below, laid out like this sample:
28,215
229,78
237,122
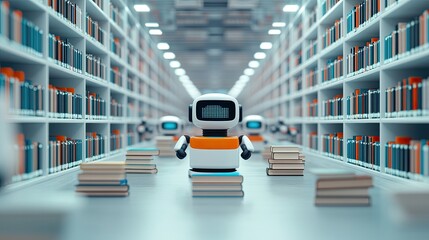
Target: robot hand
247,147
181,146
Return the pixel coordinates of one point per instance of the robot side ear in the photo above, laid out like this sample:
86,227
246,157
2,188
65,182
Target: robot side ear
240,118
190,113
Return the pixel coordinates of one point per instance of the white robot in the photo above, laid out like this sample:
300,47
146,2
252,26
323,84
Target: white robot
145,130
170,126
254,126
214,151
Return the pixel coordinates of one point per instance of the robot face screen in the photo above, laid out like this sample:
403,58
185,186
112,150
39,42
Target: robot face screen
169,126
254,125
215,110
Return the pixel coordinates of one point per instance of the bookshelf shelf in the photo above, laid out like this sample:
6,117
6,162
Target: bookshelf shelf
388,74
153,102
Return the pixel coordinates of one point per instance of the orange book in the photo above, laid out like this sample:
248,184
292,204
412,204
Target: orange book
356,60
414,81
19,75
404,94
358,139
357,15
402,140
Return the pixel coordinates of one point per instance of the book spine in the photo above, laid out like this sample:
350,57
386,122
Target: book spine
95,67
333,108
95,106
333,33
29,159
68,10
333,69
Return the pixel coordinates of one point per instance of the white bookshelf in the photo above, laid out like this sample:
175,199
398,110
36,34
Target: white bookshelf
156,92
272,100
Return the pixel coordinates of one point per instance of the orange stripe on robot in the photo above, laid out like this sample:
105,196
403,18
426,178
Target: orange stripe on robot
214,143
257,138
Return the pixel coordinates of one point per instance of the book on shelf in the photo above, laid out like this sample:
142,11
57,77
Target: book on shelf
115,45
64,53
333,69
94,30
333,33
407,157
408,98
116,139
363,103
313,140
362,13
67,10
99,3
64,103
116,15
95,106
332,144
284,172
64,153
311,78
311,49
116,75
389,3
21,96
407,37
327,5
95,145
95,66
312,108
364,151
297,166
15,27
29,153
333,108
116,108
363,58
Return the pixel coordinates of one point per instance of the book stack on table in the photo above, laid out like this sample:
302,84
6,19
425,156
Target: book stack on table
165,144
141,160
285,161
217,184
103,179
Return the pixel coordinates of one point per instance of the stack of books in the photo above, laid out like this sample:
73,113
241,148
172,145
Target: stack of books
342,188
141,160
103,179
165,144
266,153
286,161
217,184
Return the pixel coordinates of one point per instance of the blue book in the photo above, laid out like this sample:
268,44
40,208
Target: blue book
215,174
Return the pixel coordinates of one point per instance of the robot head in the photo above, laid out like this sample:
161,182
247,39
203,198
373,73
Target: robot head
215,111
254,124
170,125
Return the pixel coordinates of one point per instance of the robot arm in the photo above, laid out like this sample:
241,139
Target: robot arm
247,147
181,146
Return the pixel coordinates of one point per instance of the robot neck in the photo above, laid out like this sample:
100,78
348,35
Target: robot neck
215,132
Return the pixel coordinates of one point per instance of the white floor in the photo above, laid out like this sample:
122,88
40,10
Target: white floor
161,207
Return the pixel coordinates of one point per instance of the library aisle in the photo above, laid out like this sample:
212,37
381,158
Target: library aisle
160,207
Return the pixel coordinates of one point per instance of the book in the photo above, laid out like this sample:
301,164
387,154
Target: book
363,58
284,172
284,149
143,151
217,179
285,161
143,171
116,140
333,108
332,144
95,106
358,181
64,103
95,66
352,192
101,188
362,13
68,10
217,193
333,33
101,177
138,161
141,166
285,155
103,182
299,166
363,104
63,53
333,69
103,166
95,145
236,187
104,194
327,5
58,147
342,201
364,151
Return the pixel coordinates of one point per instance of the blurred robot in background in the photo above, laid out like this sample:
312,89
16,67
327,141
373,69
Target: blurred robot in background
145,130
214,151
8,157
283,131
254,126
170,126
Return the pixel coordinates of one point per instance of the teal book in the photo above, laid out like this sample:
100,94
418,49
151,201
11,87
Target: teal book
215,174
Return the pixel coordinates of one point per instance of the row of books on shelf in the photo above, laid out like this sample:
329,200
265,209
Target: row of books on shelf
131,138
407,38
95,146
407,157
116,15
311,49
64,103
95,67
409,98
333,108
116,108
364,58
327,5
332,144
313,108
94,30
332,34
95,106
65,54
312,17
333,69
363,104
362,13
116,76
67,10
116,139
22,97
313,140
99,3
30,156
64,153
389,3
311,78
364,151
15,27
115,45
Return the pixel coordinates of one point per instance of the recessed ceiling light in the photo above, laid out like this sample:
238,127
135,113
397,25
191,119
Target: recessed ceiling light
244,78
279,24
274,32
151,24
174,64
184,78
169,55
163,46
266,45
155,32
180,72
260,55
249,71
141,8
253,64
290,8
